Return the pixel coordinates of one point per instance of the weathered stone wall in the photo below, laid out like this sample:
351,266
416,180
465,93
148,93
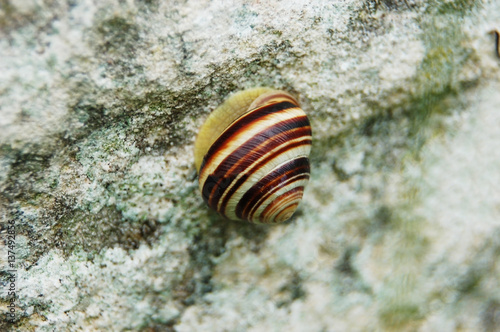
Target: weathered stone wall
399,229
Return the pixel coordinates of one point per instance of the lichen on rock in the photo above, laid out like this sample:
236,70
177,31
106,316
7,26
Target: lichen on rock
398,229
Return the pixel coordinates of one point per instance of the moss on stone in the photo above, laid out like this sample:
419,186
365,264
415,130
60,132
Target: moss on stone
114,185
397,316
459,8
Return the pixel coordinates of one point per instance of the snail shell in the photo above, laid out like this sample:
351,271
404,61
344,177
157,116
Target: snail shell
252,156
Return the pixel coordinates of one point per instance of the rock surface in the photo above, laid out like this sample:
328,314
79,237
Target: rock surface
399,228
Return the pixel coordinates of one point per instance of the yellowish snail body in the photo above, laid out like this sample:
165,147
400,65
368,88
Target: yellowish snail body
252,156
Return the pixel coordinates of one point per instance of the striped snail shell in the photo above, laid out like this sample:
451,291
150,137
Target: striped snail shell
252,156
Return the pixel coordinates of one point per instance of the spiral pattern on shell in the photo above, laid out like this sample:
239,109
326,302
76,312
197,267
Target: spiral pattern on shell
252,156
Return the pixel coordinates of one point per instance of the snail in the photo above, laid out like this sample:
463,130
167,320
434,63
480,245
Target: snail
252,156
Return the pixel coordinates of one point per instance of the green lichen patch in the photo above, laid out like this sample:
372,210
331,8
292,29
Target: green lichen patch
149,5
113,232
209,241
398,315
118,36
118,40
394,4
25,168
491,316
292,291
438,78
381,152
345,265
107,228
432,94
14,16
346,276
368,19
60,225
459,8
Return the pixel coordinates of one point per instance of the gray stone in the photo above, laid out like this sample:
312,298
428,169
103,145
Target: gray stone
399,228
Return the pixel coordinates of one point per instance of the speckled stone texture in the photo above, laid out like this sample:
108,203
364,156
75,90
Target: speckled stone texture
399,229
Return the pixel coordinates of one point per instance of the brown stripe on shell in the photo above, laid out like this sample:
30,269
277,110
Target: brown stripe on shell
287,212
240,125
280,202
294,170
299,179
256,167
252,150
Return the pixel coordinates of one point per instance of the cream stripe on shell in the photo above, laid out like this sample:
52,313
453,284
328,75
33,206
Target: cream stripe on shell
239,139
276,162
